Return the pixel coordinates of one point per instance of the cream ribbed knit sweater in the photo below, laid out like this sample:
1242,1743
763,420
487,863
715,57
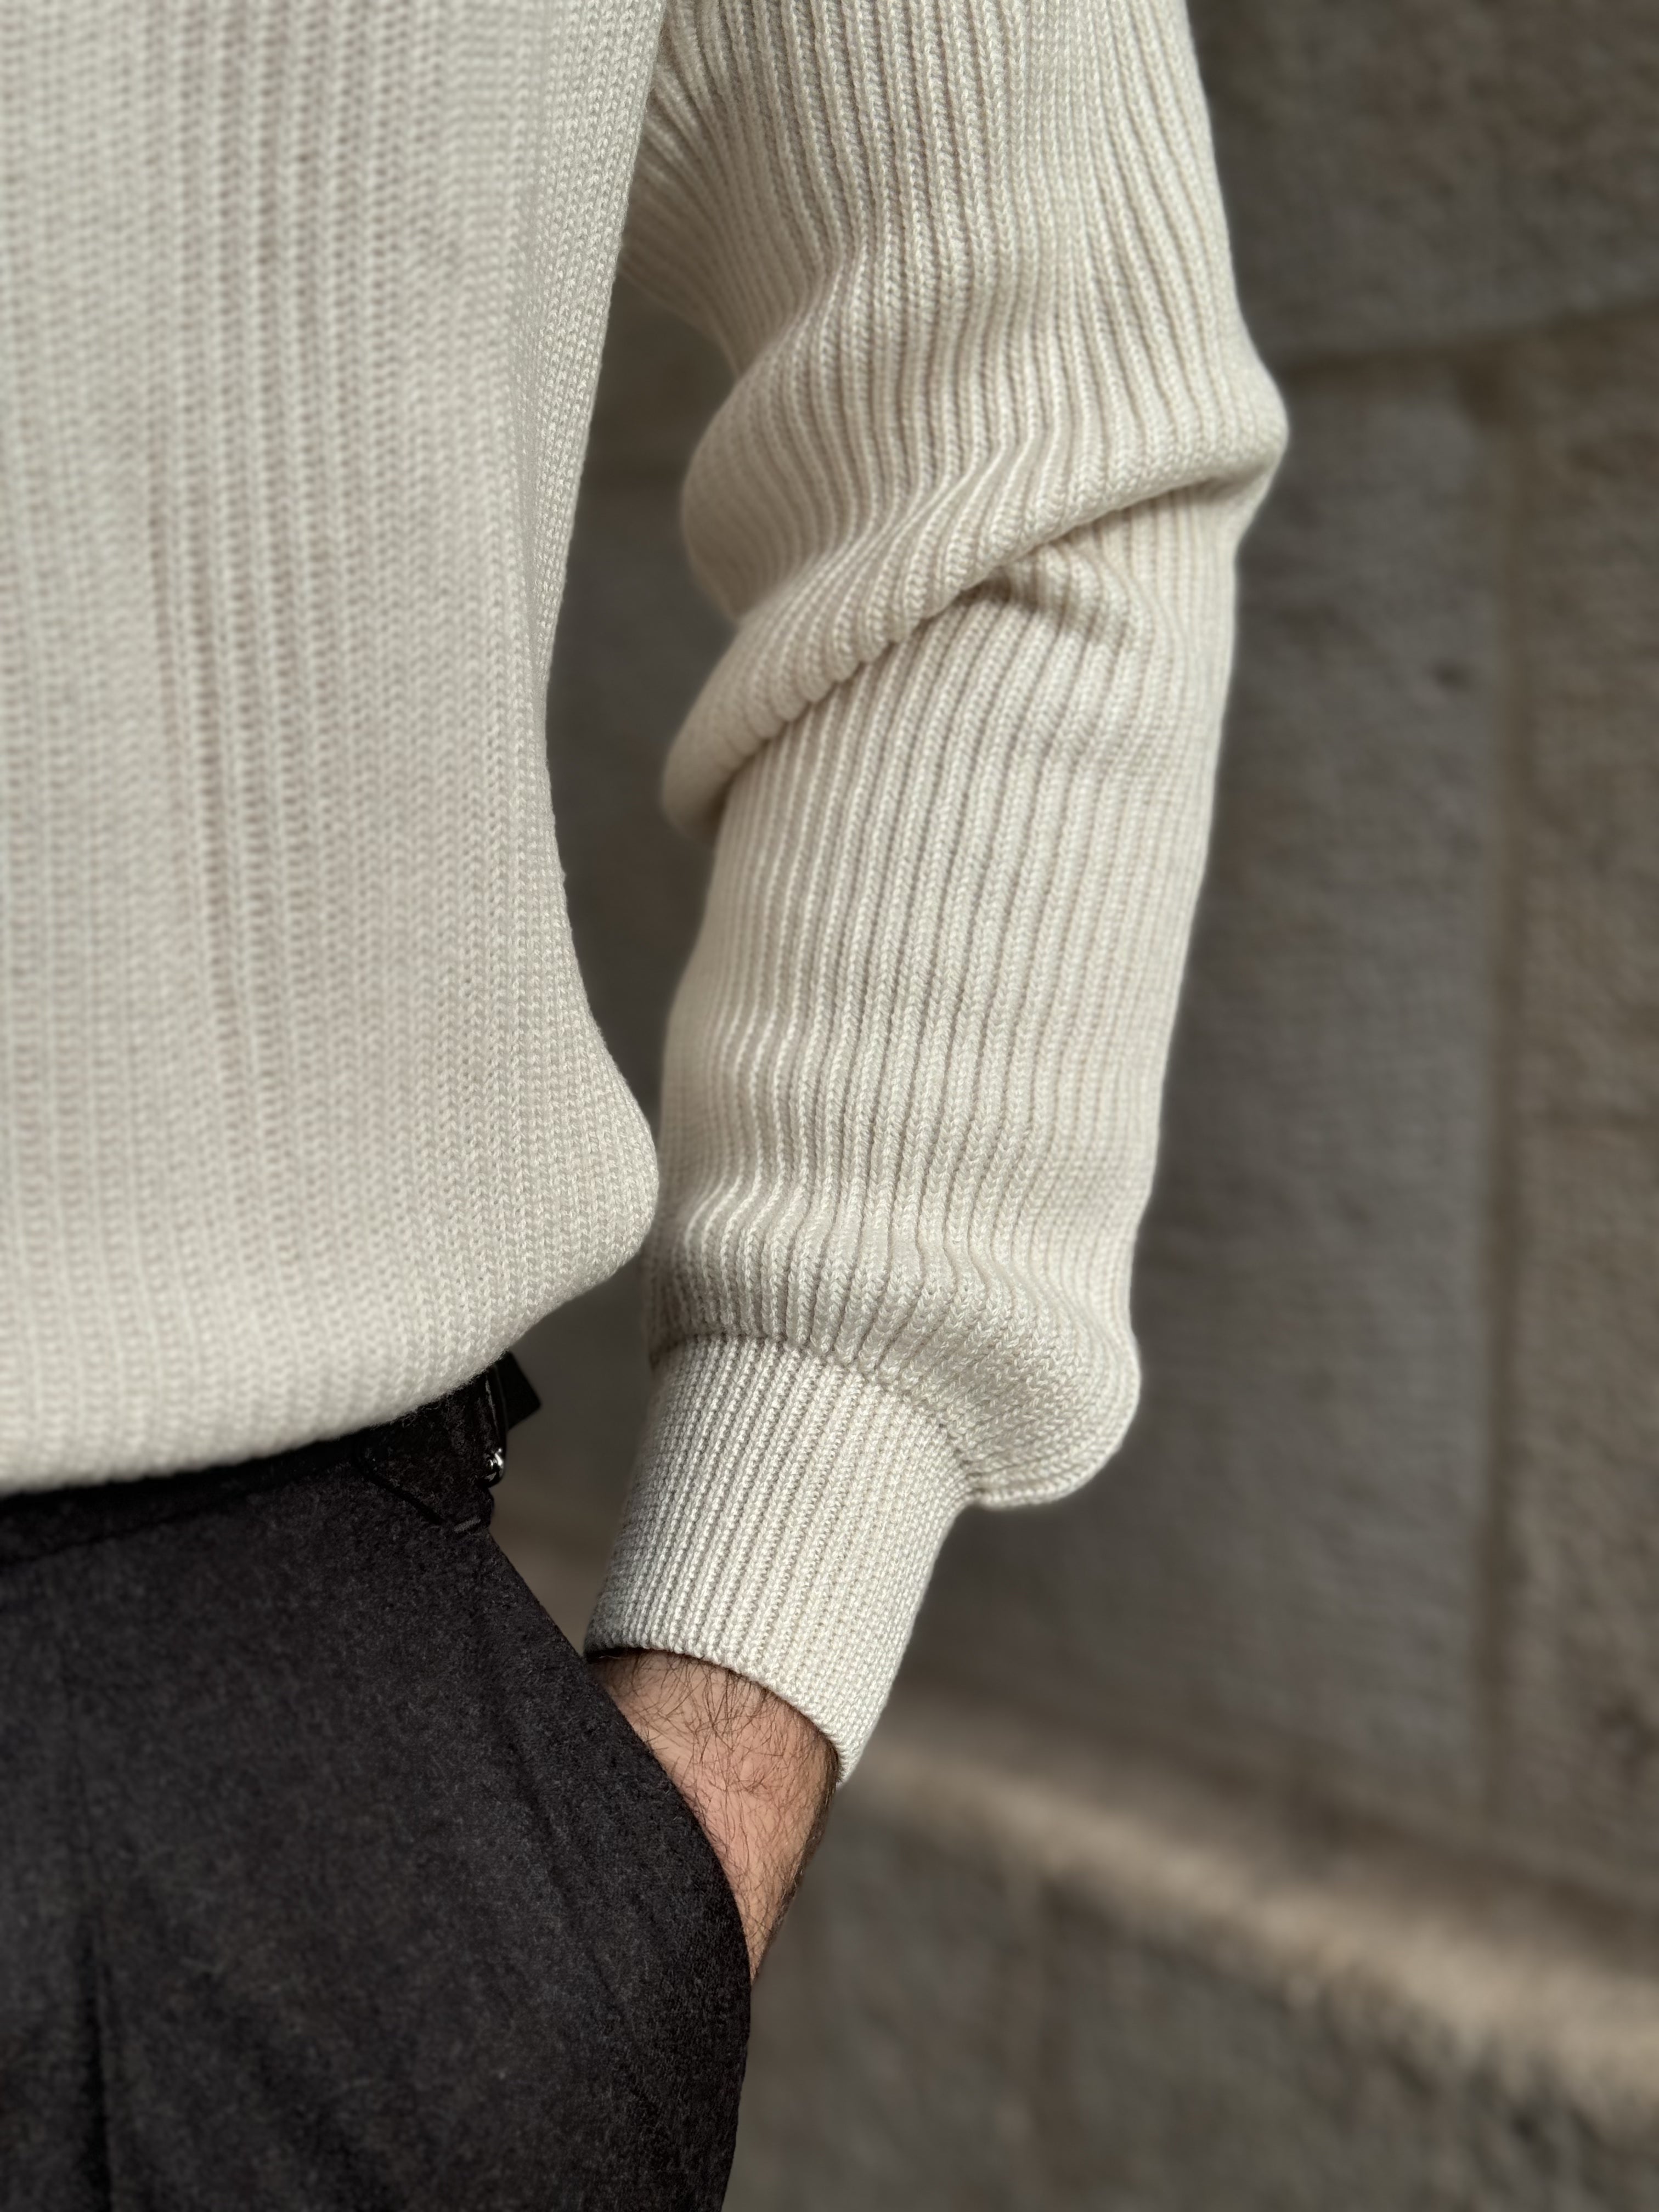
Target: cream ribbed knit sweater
303,1117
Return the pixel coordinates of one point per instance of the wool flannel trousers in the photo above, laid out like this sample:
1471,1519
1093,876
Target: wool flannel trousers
330,1881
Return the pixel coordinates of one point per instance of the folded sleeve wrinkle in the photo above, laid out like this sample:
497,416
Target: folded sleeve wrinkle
968,266
972,504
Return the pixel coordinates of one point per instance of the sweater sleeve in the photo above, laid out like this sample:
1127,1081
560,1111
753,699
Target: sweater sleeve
972,504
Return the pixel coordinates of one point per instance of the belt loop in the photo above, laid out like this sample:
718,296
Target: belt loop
497,1400
444,1457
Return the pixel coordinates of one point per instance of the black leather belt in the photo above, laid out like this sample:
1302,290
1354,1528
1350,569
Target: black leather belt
447,1456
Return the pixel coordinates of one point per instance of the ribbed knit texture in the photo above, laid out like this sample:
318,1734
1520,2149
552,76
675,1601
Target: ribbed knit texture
304,1114
303,1117
972,504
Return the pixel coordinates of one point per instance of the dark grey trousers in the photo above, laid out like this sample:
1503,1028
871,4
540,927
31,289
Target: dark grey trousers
328,1878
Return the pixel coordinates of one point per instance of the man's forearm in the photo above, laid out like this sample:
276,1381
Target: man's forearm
757,1773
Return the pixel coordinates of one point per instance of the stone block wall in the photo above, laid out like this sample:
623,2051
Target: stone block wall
1276,1823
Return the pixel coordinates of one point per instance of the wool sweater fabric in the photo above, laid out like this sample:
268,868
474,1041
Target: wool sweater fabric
303,1116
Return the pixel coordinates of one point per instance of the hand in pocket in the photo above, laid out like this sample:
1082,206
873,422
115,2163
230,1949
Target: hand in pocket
757,1774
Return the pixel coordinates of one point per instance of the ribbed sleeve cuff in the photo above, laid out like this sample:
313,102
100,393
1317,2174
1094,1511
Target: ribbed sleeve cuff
783,1520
